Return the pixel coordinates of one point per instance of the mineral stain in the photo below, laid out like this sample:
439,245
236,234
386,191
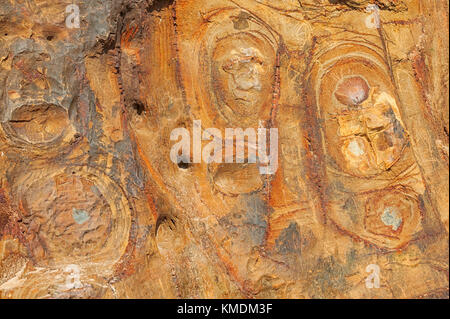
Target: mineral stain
80,216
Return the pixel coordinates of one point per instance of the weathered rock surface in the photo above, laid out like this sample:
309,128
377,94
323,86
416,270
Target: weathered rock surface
91,205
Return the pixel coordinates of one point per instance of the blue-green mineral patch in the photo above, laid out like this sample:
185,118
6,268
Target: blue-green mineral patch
80,216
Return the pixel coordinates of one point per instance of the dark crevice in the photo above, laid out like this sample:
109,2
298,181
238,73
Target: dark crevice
21,121
183,162
349,3
108,44
159,5
170,221
138,107
183,165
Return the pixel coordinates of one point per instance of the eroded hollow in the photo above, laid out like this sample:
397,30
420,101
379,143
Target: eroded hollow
72,218
235,179
243,74
352,91
41,123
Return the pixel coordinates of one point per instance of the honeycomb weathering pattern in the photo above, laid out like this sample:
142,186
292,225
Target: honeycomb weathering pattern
91,206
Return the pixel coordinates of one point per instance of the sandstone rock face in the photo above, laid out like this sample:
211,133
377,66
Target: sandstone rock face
93,206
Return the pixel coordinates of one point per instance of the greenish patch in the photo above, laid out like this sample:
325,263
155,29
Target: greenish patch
241,22
96,191
289,240
248,219
327,279
80,216
350,208
390,218
256,217
351,257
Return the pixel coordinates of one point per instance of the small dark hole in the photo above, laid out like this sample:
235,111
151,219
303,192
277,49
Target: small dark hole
183,165
183,162
50,38
138,107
